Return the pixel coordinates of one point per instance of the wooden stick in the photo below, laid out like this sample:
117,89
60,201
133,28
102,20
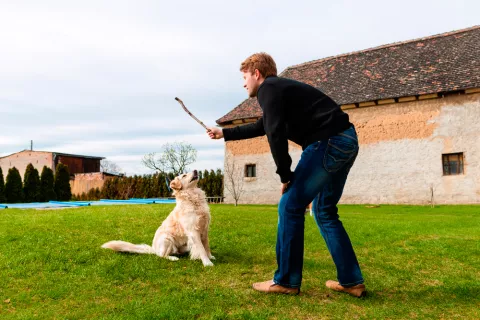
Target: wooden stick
190,114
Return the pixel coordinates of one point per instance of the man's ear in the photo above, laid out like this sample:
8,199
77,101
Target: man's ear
257,74
176,184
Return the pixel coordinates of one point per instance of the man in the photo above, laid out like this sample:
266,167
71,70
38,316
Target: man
298,112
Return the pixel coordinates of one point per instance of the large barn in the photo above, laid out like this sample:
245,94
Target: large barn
84,170
415,105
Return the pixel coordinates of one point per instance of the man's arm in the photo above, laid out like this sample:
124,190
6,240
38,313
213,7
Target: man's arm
274,118
244,132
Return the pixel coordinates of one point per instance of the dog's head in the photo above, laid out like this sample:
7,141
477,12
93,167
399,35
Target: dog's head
185,181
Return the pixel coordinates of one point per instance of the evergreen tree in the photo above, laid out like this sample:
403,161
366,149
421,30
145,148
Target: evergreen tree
153,186
155,192
3,199
129,187
149,187
219,183
144,186
211,184
93,194
13,186
206,180
62,183
162,185
31,184
98,193
110,188
47,191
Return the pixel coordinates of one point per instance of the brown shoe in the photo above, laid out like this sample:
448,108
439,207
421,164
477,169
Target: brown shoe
356,291
270,287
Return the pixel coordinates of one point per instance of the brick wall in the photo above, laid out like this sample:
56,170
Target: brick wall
83,182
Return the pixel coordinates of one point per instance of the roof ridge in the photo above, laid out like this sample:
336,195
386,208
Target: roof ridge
445,34
54,152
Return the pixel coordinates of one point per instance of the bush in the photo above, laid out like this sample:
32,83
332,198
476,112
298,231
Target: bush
62,183
2,188
47,191
31,184
93,194
155,186
13,186
211,182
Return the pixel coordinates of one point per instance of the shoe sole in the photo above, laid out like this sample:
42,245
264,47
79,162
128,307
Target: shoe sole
362,294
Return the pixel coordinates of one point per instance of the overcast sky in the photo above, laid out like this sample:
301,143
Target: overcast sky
99,78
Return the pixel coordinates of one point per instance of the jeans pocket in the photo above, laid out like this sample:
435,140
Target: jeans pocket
340,151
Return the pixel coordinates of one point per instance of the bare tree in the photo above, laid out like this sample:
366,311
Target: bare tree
432,194
109,167
174,157
233,178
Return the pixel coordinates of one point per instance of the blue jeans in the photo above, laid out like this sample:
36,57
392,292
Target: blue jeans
319,176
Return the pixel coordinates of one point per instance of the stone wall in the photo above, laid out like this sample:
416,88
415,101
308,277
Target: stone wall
400,159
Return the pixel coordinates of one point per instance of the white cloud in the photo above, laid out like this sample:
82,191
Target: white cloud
99,77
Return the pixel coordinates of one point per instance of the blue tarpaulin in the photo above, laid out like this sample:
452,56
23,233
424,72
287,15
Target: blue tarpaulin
72,204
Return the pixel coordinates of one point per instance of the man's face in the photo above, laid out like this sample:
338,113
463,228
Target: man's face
251,82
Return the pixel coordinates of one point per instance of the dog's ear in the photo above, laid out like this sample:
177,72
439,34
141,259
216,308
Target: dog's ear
176,184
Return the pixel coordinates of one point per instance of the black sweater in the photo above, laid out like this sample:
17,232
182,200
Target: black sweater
293,111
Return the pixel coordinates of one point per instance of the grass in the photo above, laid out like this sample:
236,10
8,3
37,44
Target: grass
418,262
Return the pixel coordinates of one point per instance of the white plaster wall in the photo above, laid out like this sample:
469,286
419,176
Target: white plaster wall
397,170
404,171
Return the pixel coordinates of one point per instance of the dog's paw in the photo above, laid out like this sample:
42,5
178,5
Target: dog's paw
212,257
207,264
172,258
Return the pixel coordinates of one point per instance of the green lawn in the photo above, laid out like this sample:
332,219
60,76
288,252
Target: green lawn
418,262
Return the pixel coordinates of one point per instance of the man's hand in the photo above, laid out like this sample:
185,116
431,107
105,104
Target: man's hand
284,187
215,133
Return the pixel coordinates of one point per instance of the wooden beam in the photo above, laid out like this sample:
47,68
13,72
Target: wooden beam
473,90
237,121
348,106
367,104
386,101
428,96
250,120
405,99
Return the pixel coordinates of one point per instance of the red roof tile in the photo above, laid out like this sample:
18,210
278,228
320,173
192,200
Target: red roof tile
439,63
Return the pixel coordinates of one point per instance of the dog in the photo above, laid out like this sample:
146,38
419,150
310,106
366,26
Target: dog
184,230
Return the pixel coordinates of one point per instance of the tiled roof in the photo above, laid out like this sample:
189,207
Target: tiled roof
440,63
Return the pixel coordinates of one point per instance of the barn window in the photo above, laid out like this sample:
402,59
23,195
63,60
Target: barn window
250,170
452,163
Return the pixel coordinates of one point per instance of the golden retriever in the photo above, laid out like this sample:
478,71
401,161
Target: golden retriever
184,230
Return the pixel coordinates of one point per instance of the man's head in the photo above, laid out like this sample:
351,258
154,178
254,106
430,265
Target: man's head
255,69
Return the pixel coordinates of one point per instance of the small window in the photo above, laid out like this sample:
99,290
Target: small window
452,163
250,170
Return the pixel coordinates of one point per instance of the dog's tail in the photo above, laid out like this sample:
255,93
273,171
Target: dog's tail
122,246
